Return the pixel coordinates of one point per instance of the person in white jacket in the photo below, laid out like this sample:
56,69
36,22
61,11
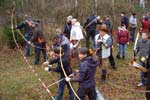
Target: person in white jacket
76,33
103,42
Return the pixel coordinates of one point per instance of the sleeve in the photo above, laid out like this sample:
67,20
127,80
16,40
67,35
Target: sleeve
20,25
53,61
108,42
82,74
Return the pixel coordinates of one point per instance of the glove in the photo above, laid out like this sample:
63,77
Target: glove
67,79
46,68
29,42
46,63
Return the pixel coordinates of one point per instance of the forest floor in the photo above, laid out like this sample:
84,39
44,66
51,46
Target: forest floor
18,82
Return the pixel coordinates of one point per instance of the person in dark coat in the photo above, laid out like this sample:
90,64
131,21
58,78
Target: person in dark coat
28,33
124,19
148,78
90,28
68,26
39,42
86,77
67,68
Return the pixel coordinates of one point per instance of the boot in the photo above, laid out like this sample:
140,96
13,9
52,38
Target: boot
103,75
118,56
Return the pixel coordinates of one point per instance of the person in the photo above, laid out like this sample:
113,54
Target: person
76,33
63,41
148,78
122,40
28,33
103,42
68,26
145,24
90,28
143,48
86,77
109,25
133,25
67,68
39,42
124,19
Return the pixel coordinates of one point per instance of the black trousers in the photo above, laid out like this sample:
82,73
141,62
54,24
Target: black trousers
90,92
147,94
111,59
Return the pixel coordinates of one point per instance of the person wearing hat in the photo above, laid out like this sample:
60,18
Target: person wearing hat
103,42
67,68
133,25
28,33
86,79
68,26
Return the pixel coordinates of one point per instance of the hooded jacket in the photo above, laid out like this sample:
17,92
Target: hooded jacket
87,72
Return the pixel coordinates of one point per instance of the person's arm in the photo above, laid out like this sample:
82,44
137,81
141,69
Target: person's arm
20,25
82,74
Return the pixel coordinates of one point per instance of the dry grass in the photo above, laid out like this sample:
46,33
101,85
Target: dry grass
18,82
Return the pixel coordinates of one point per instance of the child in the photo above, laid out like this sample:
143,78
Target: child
122,39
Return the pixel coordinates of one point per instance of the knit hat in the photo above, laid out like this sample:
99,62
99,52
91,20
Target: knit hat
69,18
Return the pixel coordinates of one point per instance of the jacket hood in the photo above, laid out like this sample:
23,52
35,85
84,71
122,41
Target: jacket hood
92,62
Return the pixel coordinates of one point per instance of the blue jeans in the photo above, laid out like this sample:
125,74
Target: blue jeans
38,51
61,90
27,46
122,49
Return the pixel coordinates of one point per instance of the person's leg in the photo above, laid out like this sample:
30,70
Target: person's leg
61,90
112,60
93,39
37,55
88,39
119,51
92,93
71,94
44,51
124,51
27,49
81,93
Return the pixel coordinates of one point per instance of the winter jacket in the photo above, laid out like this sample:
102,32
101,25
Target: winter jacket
125,20
145,25
76,32
67,29
65,63
122,36
143,46
37,33
26,27
90,23
103,50
87,72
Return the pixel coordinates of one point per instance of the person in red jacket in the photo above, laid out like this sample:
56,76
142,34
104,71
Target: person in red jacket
122,40
145,24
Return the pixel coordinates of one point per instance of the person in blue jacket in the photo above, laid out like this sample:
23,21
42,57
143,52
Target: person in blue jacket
86,77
